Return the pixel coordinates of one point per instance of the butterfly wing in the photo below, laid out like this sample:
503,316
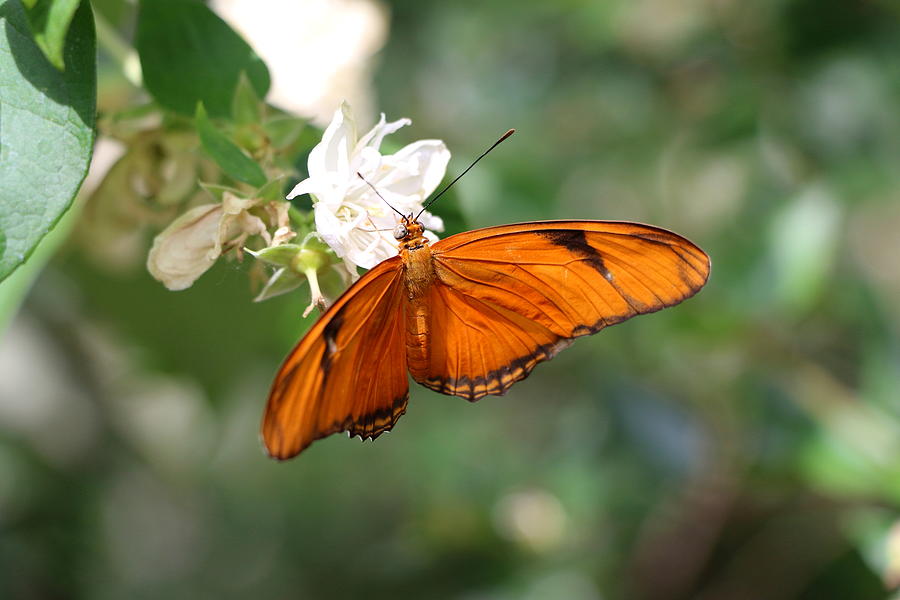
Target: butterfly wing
348,373
506,298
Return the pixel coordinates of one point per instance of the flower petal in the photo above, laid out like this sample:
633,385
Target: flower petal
181,252
367,137
417,169
374,137
252,225
330,228
307,186
332,154
233,204
367,249
432,222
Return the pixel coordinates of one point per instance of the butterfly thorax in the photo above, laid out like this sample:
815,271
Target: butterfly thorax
417,265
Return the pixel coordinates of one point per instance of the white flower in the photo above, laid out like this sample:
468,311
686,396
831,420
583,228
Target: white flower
350,217
192,242
318,51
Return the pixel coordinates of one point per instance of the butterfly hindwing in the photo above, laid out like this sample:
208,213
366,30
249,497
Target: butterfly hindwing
348,373
478,347
506,298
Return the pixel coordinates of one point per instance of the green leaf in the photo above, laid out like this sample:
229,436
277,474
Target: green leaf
49,21
282,281
16,287
273,190
246,107
190,55
46,129
279,256
217,190
284,131
226,153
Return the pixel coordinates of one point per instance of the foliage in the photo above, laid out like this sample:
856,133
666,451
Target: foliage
188,54
47,127
49,21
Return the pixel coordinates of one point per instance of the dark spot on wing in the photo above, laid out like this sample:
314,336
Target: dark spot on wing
575,241
329,334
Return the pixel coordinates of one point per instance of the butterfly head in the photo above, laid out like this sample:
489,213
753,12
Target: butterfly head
410,233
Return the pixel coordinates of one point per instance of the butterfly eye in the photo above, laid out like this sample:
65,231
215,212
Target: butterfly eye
400,231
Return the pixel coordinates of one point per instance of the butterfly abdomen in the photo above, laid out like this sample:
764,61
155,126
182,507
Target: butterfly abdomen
418,272
417,332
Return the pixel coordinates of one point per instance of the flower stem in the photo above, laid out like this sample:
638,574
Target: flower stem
317,299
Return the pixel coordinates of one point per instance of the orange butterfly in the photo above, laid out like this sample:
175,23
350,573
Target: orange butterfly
469,316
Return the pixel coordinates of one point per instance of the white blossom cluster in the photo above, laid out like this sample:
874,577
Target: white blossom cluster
354,216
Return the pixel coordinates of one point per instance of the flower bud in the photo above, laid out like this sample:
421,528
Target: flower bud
312,260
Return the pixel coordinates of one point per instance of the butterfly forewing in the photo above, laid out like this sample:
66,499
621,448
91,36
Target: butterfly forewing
506,298
348,373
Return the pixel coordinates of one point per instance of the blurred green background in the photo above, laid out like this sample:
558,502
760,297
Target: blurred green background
743,445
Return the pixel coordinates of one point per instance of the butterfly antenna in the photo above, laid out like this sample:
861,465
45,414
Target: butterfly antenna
377,193
458,177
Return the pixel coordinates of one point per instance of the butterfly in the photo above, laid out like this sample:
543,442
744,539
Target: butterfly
469,316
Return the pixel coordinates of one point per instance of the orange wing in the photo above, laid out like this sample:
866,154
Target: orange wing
348,373
509,297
